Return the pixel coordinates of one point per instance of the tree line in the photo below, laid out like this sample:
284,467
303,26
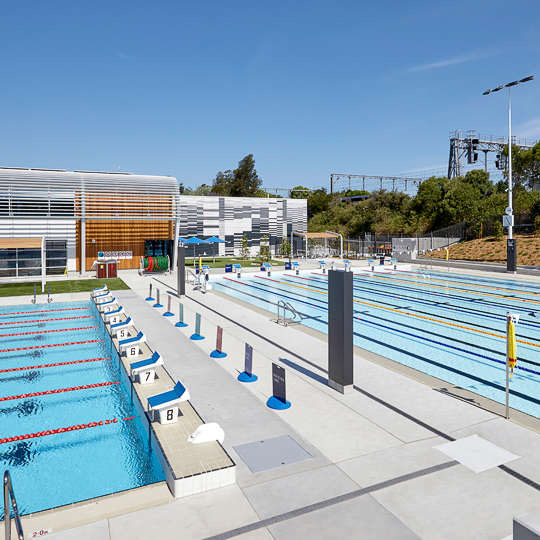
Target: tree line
439,202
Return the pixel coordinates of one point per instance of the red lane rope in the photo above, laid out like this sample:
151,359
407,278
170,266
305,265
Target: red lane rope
42,311
58,391
53,365
52,345
60,430
47,331
47,320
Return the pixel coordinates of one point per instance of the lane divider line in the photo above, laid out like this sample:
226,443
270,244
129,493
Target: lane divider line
48,320
52,345
52,365
60,430
58,391
48,331
41,311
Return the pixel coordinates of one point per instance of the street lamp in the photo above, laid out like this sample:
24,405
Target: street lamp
511,252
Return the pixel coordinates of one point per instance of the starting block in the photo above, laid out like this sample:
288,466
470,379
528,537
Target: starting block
238,270
296,266
99,290
322,265
394,262
371,263
347,264
107,306
114,315
131,345
166,404
121,328
145,369
268,268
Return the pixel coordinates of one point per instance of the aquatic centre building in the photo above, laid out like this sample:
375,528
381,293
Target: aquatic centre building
81,215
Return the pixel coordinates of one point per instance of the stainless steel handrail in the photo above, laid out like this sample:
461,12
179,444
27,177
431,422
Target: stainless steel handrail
8,494
287,306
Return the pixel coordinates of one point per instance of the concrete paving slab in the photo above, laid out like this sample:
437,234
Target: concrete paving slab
192,518
457,503
358,518
92,531
259,534
296,491
476,453
393,462
514,438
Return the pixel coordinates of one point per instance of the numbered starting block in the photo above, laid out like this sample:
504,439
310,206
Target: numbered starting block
238,270
114,315
107,306
267,267
131,345
296,266
100,290
102,298
371,263
121,328
347,264
394,262
166,404
145,370
322,266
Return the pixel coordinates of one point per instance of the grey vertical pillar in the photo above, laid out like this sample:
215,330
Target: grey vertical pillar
181,270
340,330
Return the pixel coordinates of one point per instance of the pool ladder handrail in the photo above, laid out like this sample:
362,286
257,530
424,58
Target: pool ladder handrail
8,494
286,306
200,284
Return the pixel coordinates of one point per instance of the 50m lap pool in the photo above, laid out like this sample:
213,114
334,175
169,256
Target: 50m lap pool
61,384
450,326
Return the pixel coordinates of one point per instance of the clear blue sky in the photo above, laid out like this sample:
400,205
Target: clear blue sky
309,88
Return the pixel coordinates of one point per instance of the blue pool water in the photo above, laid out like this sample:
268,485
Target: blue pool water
449,326
63,468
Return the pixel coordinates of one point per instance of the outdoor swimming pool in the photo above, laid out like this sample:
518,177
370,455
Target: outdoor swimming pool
450,326
56,347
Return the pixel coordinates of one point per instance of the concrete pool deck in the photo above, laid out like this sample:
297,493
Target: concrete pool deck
373,473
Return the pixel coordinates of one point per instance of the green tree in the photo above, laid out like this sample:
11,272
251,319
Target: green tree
201,190
479,180
264,251
318,201
300,192
285,248
525,165
242,182
244,251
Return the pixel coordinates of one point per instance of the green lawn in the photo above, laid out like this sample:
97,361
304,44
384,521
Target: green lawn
222,261
57,287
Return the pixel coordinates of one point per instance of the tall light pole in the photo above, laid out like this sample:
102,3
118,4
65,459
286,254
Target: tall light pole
511,252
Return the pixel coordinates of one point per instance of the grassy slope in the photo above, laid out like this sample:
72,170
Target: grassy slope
491,250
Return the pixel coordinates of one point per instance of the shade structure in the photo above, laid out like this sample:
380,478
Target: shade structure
215,240
194,240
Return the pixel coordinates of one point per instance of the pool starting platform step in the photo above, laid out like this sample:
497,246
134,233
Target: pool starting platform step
189,468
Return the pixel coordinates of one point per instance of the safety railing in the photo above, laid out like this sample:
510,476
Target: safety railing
9,495
282,305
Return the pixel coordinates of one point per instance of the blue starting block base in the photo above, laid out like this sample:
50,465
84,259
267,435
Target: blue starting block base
149,299
217,354
275,403
196,337
246,377
157,305
180,324
168,314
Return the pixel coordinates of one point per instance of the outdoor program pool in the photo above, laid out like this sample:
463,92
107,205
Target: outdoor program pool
62,346
450,326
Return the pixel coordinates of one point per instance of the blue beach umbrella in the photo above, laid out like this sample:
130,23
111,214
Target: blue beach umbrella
215,240
194,240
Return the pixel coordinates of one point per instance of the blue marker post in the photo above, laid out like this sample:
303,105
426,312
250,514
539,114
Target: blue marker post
181,323
150,299
247,374
168,313
157,304
278,400
218,353
197,335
